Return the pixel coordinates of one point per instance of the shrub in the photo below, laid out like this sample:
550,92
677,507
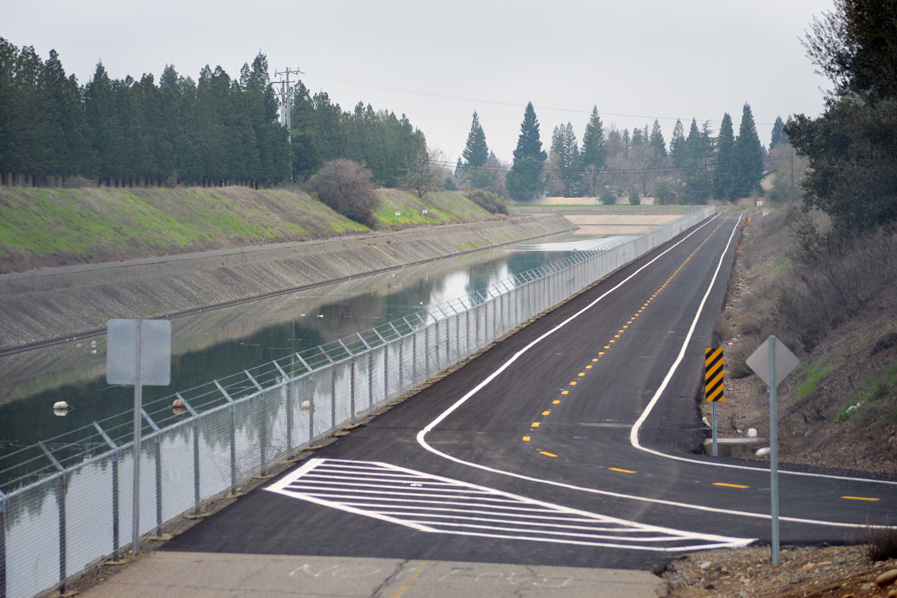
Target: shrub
489,201
347,187
607,197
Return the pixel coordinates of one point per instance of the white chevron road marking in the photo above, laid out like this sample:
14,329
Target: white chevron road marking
435,504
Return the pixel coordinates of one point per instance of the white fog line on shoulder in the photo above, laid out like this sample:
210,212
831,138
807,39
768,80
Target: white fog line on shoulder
633,434
421,436
535,342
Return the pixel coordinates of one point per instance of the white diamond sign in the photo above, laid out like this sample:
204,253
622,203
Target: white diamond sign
785,361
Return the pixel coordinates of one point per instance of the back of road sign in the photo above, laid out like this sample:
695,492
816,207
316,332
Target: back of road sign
154,347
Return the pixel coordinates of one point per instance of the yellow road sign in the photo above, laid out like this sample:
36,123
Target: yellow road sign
713,374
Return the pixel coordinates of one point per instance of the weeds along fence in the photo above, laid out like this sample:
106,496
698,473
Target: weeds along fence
71,504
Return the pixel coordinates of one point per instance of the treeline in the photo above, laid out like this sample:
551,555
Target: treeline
387,145
610,163
213,131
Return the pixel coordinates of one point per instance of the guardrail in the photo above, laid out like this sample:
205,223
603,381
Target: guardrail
72,504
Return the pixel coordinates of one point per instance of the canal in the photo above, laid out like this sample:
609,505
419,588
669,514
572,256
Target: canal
218,343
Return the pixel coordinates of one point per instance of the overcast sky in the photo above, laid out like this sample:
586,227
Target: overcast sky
437,62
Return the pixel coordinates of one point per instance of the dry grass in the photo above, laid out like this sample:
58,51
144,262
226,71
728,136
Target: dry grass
839,407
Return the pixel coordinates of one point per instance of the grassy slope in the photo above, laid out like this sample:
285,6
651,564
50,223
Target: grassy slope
41,227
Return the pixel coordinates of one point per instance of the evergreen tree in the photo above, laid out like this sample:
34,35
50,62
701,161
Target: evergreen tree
593,156
852,146
615,145
524,181
678,150
658,148
724,171
696,166
748,156
778,134
657,142
476,152
529,145
565,155
594,145
98,108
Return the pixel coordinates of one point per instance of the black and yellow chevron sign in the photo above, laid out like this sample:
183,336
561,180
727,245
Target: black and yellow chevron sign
713,374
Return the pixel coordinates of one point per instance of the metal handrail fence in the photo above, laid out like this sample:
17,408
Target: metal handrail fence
72,506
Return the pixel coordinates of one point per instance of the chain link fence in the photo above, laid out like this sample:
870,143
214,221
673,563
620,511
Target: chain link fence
71,504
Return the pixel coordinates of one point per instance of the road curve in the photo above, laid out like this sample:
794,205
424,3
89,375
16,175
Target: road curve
571,443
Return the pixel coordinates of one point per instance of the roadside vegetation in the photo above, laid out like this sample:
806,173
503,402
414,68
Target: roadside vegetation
45,227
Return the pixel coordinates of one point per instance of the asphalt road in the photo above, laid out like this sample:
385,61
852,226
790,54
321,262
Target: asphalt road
571,443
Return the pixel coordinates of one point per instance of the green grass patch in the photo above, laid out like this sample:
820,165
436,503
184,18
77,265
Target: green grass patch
813,375
49,227
875,387
782,264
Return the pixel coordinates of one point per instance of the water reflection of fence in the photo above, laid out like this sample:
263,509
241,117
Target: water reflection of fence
222,434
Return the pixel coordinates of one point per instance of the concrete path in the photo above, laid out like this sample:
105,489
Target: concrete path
216,575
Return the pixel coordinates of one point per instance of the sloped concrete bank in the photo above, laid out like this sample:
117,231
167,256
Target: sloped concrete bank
48,305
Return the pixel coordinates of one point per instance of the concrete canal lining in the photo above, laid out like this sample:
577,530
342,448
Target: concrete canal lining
44,306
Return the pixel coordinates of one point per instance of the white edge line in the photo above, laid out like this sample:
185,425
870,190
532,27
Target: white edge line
422,435
279,487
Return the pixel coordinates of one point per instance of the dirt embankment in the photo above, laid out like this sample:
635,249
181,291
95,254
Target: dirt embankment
838,409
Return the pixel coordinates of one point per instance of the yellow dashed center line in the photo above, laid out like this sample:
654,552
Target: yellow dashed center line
621,470
556,402
729,485
860,498
613,340
548,454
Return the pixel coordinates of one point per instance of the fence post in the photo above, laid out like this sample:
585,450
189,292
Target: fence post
115,489
157,442
288,393
60,499
3,501
401,343
426,350
413,355
332,396
385,347
233,438
311,408
352,385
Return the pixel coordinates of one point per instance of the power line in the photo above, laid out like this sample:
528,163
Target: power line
500,102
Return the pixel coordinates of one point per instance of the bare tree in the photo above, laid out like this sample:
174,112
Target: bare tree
422,174
347,187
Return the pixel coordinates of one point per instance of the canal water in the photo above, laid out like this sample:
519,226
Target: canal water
218,343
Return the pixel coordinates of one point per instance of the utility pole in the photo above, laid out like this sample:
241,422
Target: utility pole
286,105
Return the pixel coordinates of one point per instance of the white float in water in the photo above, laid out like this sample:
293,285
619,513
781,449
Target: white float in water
61,406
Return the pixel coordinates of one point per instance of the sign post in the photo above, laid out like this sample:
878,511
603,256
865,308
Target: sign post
772,361
138,353
713,386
